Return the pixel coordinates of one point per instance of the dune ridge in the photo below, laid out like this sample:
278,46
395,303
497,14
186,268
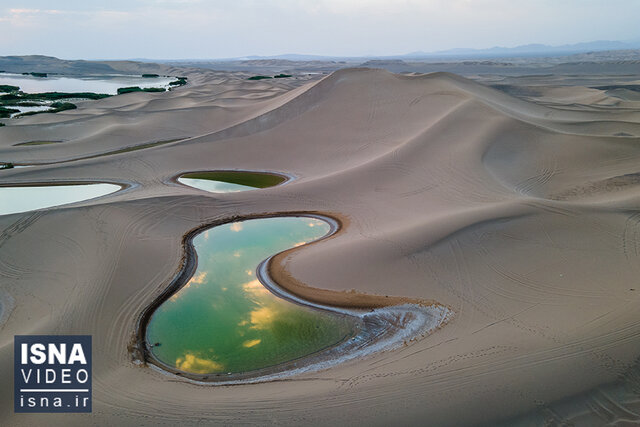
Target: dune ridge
501,208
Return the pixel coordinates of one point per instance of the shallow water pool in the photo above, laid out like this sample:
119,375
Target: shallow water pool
27,198
230,181
225,321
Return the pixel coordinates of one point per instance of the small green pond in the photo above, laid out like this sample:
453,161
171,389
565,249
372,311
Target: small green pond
225,321
230,181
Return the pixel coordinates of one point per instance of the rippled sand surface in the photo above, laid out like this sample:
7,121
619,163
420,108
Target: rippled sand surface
519,213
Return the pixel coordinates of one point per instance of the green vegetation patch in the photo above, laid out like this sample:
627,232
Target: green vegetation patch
9,88
150,76
36,143
17,98
129,89
61,106
5,113
35,74
277,76
179,82
6,165
251,179
154,89
56,107
139,89
63,95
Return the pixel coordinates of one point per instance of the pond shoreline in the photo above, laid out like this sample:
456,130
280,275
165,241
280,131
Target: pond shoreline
286,178
376,329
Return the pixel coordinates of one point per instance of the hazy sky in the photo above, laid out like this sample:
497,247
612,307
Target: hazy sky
231,28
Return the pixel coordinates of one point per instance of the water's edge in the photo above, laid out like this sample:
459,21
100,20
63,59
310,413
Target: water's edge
124,187
287,178
375,330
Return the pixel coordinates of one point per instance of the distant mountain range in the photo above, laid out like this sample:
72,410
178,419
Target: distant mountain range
529,50
50,64
533,49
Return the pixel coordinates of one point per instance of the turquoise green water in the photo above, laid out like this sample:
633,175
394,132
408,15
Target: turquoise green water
23,199
224,320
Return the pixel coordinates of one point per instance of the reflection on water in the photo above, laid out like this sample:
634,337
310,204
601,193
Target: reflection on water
224,320
27,109
230,181
96,84
214,186
23,199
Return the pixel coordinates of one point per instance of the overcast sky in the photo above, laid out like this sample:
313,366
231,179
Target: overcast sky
165,29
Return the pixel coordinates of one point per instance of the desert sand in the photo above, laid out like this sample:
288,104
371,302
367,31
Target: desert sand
519,214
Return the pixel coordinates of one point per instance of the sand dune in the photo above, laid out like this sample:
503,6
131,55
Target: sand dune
519,216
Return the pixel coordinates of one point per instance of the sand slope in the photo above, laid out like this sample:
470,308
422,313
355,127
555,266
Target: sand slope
521,217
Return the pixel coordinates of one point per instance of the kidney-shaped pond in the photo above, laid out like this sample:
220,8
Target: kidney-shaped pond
223,320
